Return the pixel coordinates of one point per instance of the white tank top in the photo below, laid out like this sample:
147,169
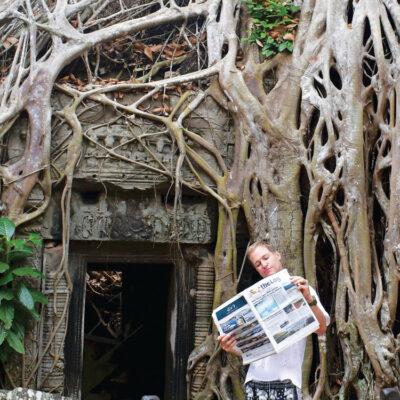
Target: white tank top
284,365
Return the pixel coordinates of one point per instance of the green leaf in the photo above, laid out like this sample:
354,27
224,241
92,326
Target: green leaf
7,314
25,297
20,253
18,328
3,267
3,333
38,296
19,249
269,53
35,314
24,271
35,238
18,243
266,16
282,47
6,294
6,278
15,342
4,351
7,228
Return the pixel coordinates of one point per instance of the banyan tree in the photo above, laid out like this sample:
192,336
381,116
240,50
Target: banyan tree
313,108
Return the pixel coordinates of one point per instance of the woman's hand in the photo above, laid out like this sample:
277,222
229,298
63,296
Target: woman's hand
227,343
302,285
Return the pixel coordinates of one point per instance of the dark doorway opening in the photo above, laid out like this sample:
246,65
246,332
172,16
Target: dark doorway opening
127,315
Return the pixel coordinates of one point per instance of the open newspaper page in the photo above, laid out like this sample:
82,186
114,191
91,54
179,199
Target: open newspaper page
285,315
266,317
238,318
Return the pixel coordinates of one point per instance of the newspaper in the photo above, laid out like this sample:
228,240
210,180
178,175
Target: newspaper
267,317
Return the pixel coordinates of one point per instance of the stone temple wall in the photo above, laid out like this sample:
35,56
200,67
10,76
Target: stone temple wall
29,394
116,199
108,189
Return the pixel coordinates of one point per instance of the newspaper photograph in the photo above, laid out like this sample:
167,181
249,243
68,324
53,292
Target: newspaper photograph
266,317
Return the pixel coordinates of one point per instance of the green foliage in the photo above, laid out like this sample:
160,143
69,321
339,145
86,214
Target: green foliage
17,300
274,25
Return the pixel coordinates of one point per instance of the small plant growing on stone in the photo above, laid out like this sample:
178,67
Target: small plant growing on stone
17,299
274,25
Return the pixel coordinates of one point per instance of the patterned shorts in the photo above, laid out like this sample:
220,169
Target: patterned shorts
274,390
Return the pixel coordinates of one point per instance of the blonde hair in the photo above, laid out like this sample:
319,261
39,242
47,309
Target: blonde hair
259,243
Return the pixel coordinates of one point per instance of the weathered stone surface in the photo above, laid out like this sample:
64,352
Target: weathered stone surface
115,198
29,394
143,216
54,322
140,142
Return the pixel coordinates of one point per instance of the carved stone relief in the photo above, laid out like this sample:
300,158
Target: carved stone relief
137,141
54,323
143,217
116,150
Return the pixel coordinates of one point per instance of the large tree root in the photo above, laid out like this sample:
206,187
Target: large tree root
222,373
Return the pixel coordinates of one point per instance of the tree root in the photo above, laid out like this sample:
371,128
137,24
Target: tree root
221,376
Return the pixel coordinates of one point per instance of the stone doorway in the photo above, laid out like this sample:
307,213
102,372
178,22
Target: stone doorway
153,283
126,325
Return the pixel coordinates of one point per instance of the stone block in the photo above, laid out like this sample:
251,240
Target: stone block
29,394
